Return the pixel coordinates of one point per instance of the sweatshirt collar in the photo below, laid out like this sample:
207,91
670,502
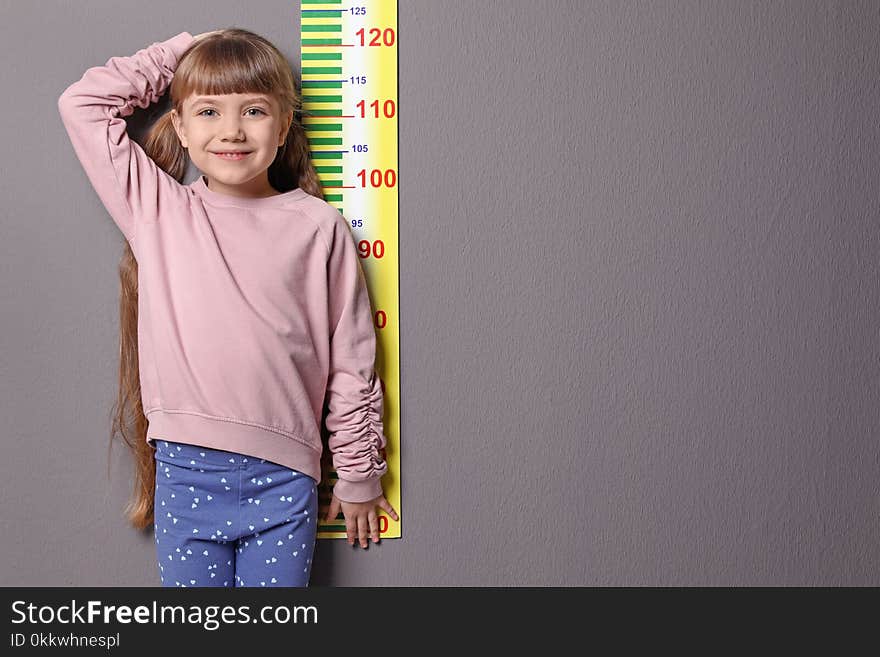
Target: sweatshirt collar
215,198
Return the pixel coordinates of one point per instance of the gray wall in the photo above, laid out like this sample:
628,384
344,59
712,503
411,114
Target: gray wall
639,293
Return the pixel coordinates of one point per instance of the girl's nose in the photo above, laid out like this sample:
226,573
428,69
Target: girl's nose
231,129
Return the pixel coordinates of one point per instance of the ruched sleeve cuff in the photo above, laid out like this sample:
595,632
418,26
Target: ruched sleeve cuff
356,446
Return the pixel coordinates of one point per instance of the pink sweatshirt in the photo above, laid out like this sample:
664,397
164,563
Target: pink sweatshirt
252,312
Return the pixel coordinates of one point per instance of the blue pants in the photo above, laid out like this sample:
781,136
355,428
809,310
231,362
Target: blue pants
226,519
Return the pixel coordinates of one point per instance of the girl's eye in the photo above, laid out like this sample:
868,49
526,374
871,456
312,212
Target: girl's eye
252,108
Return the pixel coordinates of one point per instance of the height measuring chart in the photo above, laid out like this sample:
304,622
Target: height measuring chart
349,89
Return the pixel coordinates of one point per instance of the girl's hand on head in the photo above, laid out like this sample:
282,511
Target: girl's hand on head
360,517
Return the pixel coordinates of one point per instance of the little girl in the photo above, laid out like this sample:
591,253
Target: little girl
246,325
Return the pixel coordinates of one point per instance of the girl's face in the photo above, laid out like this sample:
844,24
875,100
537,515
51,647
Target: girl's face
250,124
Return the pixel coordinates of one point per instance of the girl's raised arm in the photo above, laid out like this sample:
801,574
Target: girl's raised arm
127,181
354,390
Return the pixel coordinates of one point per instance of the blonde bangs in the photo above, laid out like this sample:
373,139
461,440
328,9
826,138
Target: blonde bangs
230,64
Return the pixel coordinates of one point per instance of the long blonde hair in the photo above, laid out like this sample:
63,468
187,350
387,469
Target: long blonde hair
228,61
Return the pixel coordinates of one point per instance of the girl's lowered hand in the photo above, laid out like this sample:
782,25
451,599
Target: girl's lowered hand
360,517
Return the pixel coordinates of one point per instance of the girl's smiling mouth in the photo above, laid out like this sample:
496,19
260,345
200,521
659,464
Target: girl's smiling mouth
233,155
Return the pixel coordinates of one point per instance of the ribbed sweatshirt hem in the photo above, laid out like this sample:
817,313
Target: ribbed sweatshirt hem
219,433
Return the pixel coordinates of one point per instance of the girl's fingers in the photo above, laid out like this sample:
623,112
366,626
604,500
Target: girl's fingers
387,507
333,510
374,526
363,530
351,529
